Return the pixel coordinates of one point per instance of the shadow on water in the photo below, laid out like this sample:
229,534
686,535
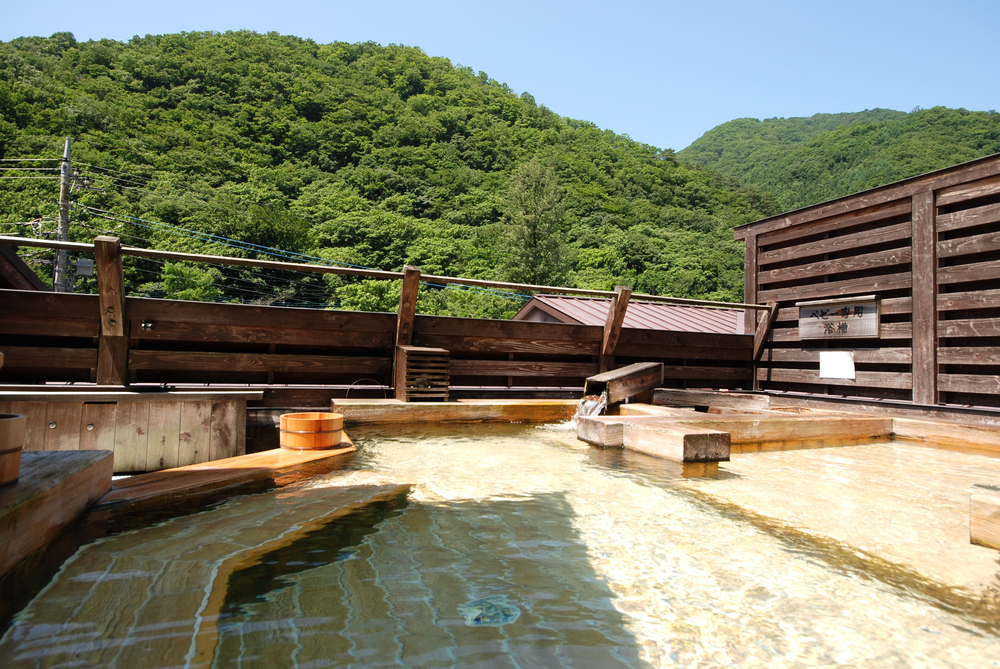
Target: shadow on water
333,542
403,594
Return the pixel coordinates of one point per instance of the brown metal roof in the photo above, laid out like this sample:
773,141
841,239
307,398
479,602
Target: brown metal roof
640,315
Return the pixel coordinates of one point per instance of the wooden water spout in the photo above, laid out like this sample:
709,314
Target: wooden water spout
621,384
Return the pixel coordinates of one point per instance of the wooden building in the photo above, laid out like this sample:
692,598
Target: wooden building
924,256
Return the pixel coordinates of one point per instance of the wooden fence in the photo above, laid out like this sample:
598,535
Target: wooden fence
928,249
298,353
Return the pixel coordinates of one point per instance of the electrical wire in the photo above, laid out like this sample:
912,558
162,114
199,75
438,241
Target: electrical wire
225,241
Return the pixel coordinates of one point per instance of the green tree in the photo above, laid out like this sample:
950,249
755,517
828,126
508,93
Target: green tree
532,216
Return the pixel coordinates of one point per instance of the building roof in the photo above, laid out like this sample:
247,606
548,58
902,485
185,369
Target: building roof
640,315
15,273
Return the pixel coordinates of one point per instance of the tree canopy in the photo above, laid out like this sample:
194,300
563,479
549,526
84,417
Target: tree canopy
357,154
802,161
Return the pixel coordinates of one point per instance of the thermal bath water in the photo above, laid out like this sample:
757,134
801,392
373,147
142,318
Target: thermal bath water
517,547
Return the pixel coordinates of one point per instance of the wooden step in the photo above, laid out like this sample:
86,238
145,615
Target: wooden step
53,489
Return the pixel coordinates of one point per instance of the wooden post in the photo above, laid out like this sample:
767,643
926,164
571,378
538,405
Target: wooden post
404,326
760,337
750,283
407,306
112,351
924,342
613,326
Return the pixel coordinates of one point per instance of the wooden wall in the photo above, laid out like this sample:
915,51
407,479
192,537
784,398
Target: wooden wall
57,337
146,431
929,248
48,336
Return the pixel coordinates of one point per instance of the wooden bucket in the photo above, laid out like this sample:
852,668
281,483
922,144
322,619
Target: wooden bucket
11,439
311,431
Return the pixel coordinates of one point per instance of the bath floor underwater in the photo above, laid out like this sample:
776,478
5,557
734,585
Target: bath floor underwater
506,546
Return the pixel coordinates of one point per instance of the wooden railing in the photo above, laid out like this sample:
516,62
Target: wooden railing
112,339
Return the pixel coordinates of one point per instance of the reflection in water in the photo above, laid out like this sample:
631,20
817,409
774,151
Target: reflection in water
512,550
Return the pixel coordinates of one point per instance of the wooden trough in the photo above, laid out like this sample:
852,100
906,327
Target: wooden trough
621,384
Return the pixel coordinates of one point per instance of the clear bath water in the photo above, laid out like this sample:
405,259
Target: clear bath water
516,548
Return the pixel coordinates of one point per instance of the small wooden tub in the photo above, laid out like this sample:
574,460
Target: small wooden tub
11,439
311,431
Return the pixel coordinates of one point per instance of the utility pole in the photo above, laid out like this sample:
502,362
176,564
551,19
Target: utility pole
61,280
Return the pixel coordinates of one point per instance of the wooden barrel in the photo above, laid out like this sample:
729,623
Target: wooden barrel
11,439
311,431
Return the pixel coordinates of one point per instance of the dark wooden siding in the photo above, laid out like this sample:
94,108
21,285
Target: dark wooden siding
54,337
929,248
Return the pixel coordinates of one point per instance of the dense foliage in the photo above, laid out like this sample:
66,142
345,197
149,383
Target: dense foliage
356,154
802,161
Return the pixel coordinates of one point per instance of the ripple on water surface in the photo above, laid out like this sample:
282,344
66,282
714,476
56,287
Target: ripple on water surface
567,556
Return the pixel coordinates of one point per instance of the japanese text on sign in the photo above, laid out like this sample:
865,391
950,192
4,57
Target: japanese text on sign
837,319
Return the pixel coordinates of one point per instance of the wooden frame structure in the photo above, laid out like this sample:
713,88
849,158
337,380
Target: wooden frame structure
928,247
111,339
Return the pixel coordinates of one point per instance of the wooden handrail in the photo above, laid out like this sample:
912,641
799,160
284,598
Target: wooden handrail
369,273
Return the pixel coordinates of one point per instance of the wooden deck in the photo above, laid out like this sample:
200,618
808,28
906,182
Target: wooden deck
195,485
52,491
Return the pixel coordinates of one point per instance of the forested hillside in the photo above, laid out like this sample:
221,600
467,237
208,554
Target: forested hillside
802,161
354,154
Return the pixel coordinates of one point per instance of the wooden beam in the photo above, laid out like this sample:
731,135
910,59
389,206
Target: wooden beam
407,306
193,361
826,268
984,520
924,299
360,412
867,284
377,274
192,482
680,443
959,175
969,190
761,336
112,351
521,368
898,232
895,380
615,319
820,225
764,328
620,384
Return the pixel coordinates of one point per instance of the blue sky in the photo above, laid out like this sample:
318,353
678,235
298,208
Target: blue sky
662,72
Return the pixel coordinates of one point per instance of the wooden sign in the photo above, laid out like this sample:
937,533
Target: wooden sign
846,318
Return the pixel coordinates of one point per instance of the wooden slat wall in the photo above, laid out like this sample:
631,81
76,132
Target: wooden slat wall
929,247
523,354
968,293
172,341
50,336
